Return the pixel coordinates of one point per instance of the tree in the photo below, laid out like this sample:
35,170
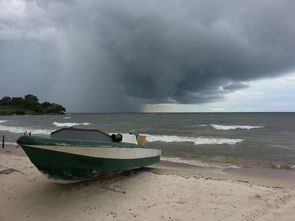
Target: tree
38,109
31,98
45,105
5,100
28,105
30,101
55,109
17,101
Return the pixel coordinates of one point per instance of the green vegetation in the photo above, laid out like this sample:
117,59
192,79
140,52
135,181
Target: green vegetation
28,105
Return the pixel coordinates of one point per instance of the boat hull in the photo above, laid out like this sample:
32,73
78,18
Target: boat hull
70,162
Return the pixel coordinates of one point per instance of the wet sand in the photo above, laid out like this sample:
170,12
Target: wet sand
261,176
165,191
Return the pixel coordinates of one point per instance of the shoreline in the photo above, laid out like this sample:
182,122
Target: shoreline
260,176
256,175
164,191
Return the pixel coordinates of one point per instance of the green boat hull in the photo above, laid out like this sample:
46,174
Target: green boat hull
83,160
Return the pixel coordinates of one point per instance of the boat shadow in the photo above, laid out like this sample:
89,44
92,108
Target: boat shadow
103,181
105,178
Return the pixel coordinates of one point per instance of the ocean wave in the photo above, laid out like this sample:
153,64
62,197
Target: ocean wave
190,162
21,130
234,127
197,163
195,140
203,125
69,124
10,143
284,166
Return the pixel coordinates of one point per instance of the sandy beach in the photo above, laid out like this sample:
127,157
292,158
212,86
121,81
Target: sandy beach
162,192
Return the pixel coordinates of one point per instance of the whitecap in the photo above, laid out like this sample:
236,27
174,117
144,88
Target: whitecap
10,143
69,124
195,140
234,127
21,130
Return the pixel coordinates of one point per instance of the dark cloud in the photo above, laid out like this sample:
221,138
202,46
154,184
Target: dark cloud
120,55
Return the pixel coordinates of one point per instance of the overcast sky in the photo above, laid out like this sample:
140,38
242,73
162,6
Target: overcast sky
150,55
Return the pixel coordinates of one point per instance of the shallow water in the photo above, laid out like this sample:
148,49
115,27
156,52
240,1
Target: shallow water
207,139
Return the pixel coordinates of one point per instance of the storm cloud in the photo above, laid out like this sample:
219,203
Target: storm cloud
104,55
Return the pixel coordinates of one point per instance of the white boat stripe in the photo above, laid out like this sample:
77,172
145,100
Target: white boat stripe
105,152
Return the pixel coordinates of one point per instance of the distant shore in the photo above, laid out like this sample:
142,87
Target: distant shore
28,105
166,191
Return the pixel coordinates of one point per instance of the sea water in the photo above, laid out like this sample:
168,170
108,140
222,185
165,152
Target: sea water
203,139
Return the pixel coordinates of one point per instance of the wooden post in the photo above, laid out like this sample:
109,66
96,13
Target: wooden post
3,141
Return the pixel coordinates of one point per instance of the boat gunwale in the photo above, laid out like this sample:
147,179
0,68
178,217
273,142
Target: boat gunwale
39,147
33,140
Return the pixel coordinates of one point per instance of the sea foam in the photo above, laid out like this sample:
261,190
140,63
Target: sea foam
195,140
10,143
189,162
21,130
234,127
69,124
198,163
